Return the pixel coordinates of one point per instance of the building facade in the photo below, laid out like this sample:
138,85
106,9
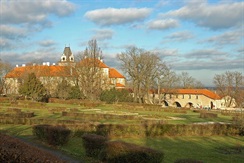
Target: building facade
197,98
66,68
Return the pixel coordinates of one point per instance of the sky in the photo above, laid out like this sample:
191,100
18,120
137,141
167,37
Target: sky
201,37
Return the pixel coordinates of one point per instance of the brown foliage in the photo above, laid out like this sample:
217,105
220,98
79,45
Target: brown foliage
14,150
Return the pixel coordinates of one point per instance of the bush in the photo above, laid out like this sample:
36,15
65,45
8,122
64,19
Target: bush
239,122
113,95
14,150
208,115
75,93
53,135
93,144
120,152
187,160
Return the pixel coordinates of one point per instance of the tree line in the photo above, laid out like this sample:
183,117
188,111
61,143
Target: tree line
145,71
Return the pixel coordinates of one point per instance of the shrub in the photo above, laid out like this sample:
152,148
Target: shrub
14,150
208,115
239,122
120,152
113,95
188,160
93,144
53,135
75,93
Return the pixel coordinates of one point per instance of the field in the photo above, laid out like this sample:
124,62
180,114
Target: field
127,123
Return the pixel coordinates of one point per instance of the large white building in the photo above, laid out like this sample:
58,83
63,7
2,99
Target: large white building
51,74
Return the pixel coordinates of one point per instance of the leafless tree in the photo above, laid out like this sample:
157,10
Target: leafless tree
187,81
90,73
230,84
141,68
166,81
5,67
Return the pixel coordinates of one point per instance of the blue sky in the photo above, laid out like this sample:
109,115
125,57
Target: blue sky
201,37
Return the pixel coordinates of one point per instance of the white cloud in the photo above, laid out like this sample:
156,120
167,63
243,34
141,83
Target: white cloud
47,55
208,59
12,32
5,43
47,43
207,54
180,36
213,16
113,16
229,37
162,24
165,52
19,19
18,12
103,34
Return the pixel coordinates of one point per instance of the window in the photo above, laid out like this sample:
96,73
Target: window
182,96
189,96
196,96
176,96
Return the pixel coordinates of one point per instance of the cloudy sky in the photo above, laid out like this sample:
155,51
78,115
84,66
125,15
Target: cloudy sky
201,37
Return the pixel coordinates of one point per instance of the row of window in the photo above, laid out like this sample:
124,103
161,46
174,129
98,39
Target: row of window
184,96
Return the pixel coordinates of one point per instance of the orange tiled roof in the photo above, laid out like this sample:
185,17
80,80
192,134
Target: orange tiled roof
39,70
205,92
113,73
119,85
90,62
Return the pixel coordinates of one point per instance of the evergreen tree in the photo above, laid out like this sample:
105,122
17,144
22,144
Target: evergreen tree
63,90
75,93
113,95
33,88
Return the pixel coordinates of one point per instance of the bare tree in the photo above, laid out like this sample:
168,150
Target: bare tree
5,67
187,81
230,84
166,81
141,68
91,77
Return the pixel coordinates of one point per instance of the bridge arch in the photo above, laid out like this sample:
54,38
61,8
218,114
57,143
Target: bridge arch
165,103
177,104
189,105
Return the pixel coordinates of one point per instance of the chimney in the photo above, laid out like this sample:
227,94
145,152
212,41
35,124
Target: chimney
17,65
53,64
23,65
44,63
48,63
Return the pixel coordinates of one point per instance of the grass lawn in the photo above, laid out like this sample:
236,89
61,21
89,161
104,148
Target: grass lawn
214,149
208,149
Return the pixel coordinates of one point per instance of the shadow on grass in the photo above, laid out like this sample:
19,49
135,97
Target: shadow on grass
206,149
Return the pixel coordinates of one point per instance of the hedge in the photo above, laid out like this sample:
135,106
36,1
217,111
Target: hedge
53,135
208,115
188,160
13,150
93,144
121,152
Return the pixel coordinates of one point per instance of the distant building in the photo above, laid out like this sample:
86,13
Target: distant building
51,75
197,98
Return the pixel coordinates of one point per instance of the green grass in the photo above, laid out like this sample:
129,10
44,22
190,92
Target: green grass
208,149
214,149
